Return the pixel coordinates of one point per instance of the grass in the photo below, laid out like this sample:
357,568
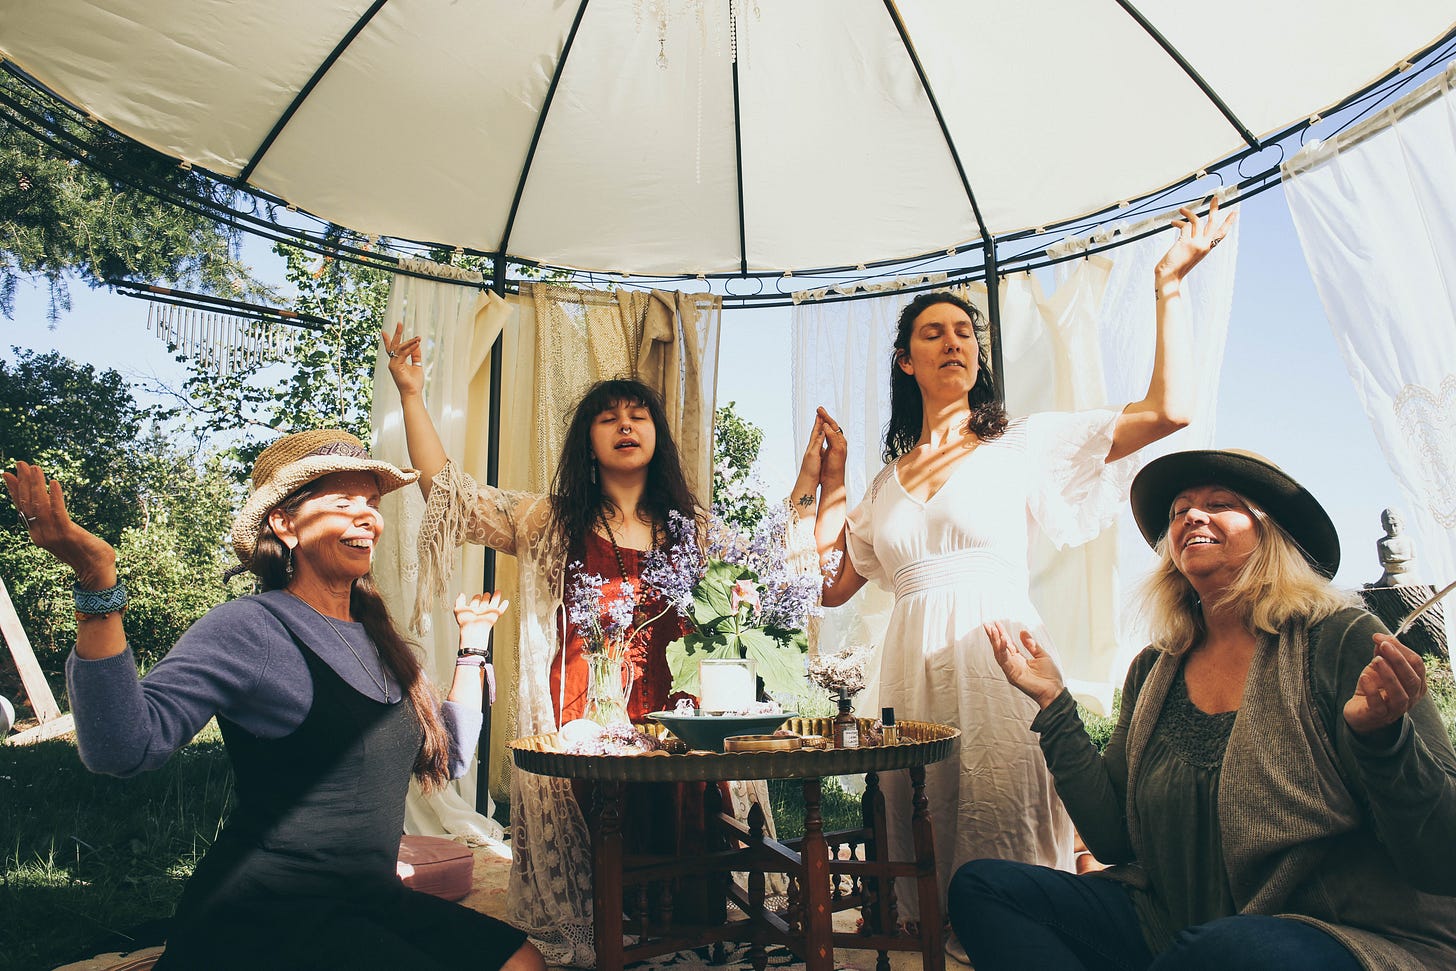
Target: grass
87,857
840,809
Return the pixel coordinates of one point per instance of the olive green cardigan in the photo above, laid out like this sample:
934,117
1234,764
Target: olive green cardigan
1315,824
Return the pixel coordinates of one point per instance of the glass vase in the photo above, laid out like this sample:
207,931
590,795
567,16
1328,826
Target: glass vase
608,686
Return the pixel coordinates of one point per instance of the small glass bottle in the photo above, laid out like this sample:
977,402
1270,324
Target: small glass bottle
846,728
889,731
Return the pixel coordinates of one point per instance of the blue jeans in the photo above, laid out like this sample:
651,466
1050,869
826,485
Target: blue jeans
1016,916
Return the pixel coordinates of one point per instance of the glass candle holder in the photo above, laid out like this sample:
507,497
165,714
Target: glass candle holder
726,684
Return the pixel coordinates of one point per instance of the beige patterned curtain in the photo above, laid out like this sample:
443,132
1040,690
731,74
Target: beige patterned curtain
665,339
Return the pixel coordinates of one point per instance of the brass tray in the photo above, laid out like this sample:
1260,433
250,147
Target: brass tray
762,743
921,743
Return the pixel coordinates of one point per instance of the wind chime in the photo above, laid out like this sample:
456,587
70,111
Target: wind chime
219,342
221,336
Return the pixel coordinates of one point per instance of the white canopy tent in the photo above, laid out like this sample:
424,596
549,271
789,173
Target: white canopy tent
686,137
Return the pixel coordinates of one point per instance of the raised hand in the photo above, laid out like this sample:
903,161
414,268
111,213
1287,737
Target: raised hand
406,361
1390,686
476,616
836,451
1197,236
42,507
1036,675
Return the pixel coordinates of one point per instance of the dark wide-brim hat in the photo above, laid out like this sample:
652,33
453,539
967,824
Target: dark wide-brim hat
1250,475
296,460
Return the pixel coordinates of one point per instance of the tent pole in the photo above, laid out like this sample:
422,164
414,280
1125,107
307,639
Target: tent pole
492,477
993,314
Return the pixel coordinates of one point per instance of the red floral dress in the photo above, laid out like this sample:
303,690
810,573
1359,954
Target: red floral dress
651,691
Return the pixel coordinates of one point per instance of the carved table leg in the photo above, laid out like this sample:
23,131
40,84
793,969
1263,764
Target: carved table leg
607,876
814,856
878,909
932,943
757,954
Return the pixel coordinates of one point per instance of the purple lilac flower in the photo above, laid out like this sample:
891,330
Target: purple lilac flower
584,597
675,569
789,599
618,619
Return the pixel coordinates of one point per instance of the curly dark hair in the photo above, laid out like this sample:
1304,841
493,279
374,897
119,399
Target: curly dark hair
907,411
577,499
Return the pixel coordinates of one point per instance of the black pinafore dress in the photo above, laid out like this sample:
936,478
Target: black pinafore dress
304,873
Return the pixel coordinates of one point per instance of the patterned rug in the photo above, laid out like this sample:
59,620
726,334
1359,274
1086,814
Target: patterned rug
492,870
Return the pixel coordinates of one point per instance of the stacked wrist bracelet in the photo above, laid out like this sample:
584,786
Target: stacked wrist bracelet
469,659
98,602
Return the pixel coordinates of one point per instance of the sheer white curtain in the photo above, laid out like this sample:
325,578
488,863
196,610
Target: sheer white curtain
459,322
1126,330
841,360
1375,209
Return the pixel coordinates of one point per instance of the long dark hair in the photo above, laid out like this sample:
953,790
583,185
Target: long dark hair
907,410
577,499
270,565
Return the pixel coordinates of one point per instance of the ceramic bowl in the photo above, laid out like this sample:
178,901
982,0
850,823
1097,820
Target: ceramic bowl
706,732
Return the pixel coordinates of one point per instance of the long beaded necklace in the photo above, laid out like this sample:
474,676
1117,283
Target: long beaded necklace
381,685
616,551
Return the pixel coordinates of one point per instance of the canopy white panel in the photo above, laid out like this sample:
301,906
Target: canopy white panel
829,153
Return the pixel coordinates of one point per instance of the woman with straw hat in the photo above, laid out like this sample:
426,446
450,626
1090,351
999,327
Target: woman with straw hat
1279,792
324,710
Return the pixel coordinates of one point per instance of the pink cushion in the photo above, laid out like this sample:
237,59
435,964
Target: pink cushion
437,866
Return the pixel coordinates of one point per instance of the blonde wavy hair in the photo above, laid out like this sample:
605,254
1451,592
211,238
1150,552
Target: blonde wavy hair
1275,585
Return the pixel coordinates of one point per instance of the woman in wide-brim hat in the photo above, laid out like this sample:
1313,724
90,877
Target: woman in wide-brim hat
325,713
1279,791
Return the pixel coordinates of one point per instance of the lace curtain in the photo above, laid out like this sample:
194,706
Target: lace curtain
1375,210
459,323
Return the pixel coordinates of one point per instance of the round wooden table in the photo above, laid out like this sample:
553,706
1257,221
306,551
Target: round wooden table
816,876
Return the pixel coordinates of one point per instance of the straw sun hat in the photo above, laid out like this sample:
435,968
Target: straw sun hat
1250,475
296,460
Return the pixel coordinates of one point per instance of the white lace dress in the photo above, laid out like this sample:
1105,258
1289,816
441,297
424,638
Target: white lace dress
954,562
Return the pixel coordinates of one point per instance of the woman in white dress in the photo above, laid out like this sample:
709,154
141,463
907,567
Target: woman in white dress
945,526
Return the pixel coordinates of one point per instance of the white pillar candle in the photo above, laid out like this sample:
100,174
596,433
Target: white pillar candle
726,684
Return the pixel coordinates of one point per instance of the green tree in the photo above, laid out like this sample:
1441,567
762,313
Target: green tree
61,220
737,497
79,423
165,509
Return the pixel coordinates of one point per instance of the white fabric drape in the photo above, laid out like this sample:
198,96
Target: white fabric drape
1126,328
1375,210
459,323
1087,344
841,360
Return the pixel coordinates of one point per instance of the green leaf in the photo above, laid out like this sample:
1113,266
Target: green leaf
684,654
779,660
712,606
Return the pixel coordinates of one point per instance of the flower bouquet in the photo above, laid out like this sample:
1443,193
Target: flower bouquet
743,598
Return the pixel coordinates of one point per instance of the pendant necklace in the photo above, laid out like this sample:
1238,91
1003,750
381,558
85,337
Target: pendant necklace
381,685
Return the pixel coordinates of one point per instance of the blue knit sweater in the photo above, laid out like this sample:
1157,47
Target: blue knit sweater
238,661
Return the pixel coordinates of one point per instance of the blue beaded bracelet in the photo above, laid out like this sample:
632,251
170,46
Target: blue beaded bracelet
107,601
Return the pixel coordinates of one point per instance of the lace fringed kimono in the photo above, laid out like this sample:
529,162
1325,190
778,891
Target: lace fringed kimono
550,889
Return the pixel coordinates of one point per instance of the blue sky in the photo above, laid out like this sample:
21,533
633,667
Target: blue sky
1284,390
